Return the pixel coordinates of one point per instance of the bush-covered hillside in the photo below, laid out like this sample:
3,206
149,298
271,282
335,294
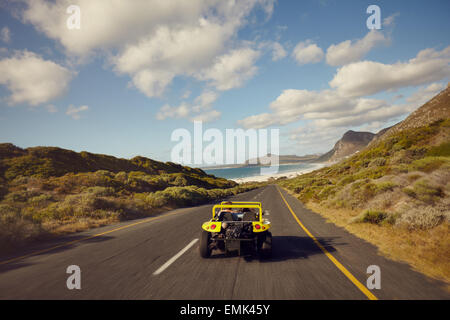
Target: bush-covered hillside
395,194
398,177
50,190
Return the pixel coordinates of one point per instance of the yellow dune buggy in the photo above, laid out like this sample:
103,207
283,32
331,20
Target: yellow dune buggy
236,226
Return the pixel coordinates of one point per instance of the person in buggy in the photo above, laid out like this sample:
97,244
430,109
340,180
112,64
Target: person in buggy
227,214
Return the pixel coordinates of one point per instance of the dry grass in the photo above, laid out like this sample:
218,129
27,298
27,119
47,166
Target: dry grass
427,251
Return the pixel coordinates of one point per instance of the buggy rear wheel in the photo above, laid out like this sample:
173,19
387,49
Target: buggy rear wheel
266,247
205,240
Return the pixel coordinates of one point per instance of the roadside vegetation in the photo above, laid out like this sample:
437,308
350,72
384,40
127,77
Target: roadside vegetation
395,194
40,196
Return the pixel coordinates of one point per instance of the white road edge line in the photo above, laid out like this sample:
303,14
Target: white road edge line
175,257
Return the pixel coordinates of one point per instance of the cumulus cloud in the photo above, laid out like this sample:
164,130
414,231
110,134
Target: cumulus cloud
278,52
326,108
308,137
167,111
346,105
74,112
231,70
307,52
33,80
368,77
390,20
5,35
51,19
199,110
161,40
425,93
348,51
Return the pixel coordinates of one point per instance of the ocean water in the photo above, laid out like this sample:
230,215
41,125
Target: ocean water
245,172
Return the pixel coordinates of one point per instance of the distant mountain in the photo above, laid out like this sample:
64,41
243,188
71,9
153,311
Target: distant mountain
351,142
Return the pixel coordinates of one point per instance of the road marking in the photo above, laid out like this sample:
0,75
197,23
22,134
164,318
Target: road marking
344,270
175,257
84,239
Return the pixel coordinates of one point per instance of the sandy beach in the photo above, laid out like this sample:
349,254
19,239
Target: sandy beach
288,174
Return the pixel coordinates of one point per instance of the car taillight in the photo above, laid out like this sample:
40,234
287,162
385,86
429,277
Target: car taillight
213,226
257,226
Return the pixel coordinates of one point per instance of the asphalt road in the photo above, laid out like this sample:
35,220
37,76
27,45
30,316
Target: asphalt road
158,258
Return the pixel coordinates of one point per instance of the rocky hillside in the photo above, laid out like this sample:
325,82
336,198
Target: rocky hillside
351,142
396,191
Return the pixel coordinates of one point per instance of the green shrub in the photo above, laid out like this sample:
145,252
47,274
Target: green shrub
100,191
424,191
371,216
385,186
429,164
41,198
326,192
442,150
378,162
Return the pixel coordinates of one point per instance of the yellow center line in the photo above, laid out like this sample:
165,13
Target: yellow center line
344,270
86,238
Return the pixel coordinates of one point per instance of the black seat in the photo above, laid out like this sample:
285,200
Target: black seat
226,216
249,216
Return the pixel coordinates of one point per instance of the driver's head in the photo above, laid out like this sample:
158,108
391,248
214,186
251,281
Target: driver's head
228,203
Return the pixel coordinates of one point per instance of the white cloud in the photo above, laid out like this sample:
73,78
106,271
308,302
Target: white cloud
155,41
348,51
307,52
326,108
33,80
74,112
345,105
368,77
205,100
310,138
5,35
231,70
200,110
390,21
108,31
208,116
425,93
182,111
278,52
258,121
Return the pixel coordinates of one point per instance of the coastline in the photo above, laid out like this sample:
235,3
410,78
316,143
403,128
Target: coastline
288,174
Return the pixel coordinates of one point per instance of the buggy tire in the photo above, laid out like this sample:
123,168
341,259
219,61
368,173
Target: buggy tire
266,247
205,240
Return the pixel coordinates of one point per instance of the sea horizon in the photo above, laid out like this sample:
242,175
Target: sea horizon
255,171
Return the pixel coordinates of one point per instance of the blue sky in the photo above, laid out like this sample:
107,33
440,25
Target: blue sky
262,64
